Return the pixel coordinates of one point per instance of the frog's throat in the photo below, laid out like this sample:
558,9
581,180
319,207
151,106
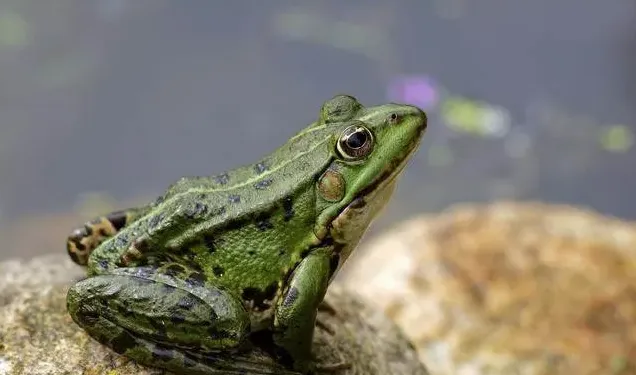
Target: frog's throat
366,205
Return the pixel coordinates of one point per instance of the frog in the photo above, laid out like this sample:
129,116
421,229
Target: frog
218,264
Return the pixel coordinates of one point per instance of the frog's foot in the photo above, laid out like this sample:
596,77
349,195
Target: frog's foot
83,240
159,320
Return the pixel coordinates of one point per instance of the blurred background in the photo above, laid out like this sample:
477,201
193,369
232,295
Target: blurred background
104,103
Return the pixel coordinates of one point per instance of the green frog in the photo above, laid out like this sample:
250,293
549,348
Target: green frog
185,282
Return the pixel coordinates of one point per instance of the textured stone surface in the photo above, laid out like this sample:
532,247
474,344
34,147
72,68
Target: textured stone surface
509,288
38,337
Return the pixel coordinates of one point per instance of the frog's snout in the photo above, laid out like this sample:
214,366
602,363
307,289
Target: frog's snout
421,116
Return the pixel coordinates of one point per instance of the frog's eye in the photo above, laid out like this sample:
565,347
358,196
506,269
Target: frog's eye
356,142
393,118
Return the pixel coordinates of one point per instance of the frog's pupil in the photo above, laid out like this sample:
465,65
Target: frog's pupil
357,139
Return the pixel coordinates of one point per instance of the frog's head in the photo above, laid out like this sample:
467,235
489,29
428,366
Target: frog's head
370,147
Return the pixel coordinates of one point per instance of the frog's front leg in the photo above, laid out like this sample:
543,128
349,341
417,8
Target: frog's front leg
83,240
296,311
163,319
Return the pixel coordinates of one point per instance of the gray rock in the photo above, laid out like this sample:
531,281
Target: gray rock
37,336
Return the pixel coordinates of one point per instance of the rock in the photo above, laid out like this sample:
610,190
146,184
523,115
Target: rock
509,288
37,336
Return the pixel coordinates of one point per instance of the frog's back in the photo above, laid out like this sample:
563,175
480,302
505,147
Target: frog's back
298,160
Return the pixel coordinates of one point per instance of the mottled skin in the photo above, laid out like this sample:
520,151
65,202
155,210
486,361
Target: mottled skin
190,279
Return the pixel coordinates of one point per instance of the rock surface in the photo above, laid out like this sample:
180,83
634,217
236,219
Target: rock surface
38,337
509,288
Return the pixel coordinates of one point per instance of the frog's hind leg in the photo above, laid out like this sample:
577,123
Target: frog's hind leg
84,239
158,319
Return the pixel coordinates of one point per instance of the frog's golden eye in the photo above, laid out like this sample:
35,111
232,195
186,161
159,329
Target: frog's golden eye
355,143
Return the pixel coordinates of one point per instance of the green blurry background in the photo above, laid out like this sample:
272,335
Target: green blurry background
104,103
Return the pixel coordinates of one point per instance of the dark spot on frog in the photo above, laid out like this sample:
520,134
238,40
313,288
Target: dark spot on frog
288,209
102,264
117,219
121,240
209,243
251,252
218,211
222,179
80,246
196,279
122,342
218,271
155,220
143,275
233,198
258,296
281,252
187,302
196,210
263,184
260,168
263,223
163,353
290,297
